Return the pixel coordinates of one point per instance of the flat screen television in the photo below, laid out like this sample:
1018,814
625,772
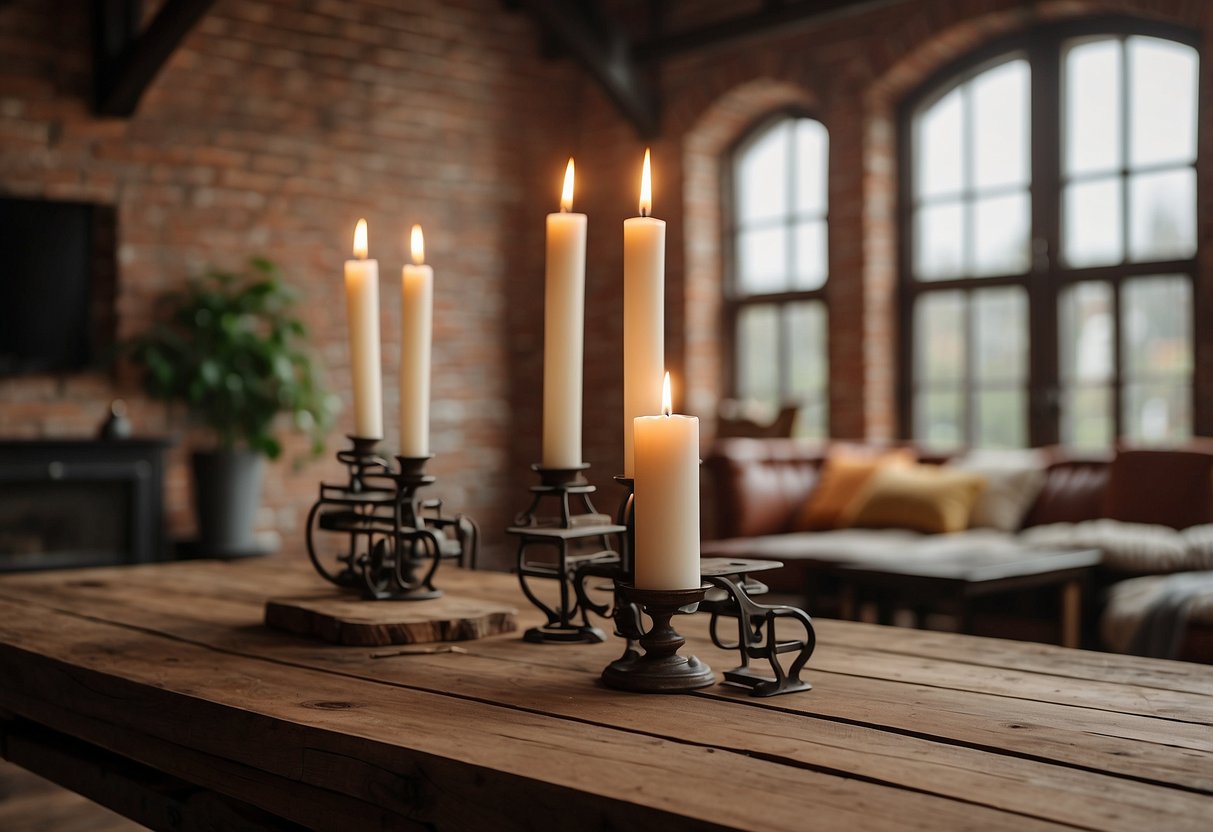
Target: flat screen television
56,285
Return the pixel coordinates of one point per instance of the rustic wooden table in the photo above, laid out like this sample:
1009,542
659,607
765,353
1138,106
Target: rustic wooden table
157,691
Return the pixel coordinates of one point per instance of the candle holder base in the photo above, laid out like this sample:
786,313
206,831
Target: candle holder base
389,542
659,669
556,634
573,540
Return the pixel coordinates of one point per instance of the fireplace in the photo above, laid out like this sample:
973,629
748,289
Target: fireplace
74,503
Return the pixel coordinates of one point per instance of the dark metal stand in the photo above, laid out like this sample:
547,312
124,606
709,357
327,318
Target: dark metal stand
580,539
393,541
729,597
659,669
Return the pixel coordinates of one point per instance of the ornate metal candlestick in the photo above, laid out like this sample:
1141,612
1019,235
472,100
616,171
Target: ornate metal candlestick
580,539
730,597
388,547
659,669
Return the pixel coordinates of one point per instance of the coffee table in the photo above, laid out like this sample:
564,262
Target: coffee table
923,582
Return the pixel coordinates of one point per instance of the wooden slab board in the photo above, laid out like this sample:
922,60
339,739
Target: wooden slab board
337,618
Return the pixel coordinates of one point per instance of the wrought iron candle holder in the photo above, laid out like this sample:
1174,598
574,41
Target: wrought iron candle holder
389,541
659,668
733,586
579,536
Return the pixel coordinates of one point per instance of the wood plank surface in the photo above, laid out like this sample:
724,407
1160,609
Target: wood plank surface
964,733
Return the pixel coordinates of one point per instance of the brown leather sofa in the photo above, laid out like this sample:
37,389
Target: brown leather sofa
755,487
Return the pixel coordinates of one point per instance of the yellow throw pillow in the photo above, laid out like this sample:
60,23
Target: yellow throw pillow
924,498
844,474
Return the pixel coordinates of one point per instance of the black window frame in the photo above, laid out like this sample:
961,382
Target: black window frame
734,299
1047,276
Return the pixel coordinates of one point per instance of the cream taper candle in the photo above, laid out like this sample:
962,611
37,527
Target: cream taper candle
416,325
362,309
563,332
667,499
643,314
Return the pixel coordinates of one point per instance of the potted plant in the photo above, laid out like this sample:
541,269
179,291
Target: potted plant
230,349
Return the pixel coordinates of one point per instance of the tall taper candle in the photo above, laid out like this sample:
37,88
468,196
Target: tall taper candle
643,315
563,332
667,499
416,324
362,309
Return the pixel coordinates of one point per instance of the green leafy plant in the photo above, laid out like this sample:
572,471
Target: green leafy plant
229,347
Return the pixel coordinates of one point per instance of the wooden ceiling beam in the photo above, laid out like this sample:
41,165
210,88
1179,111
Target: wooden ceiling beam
776,16
602,48
125,60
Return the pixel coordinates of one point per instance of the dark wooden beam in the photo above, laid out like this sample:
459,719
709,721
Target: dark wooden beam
776,15
127,60
603,50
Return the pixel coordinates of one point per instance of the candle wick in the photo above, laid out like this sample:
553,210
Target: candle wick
644,212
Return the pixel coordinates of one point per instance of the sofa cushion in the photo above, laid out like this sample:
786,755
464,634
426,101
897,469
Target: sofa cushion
843,477
1174,488
1148,615
925,498
1013,482
1132,548
1073,492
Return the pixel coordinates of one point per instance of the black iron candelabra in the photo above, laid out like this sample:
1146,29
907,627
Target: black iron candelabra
375,534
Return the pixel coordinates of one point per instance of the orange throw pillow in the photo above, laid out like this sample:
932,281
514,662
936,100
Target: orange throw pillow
925,498
844,476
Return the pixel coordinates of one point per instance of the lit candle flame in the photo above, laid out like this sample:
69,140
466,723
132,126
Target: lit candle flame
667,400
646,187
360,240
566,196
417,245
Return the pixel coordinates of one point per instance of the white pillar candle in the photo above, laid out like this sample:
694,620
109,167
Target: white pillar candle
416,325
667,500
362,309
643,315
563,332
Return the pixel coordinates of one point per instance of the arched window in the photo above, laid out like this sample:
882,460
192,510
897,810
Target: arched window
775,302
1050,246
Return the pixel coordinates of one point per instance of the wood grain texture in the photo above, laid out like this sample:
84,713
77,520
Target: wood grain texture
169,665
338,618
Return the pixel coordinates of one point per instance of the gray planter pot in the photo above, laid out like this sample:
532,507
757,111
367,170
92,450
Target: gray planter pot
227,493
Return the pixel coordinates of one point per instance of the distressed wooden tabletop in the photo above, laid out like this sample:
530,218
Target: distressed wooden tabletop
157,691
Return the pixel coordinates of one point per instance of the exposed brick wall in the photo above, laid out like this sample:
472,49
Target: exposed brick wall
270,131
279,122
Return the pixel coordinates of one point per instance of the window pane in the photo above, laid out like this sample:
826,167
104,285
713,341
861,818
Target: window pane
1001,227
805,331
1162,215
939,417
812,149
1085,318
758,353
939,148
1001,418
810,255
1086,417
761,176
1092,107
1000,334
1158,412
939,335
1156,325
1000,125
939,241
1091,223
762,259
1162,101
